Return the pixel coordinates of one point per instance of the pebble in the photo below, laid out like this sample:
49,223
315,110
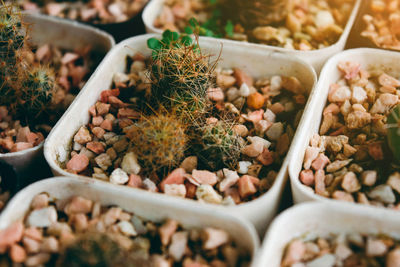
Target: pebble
127,228
103,161
350,183
246,186
383,193
231,177
82,136
149,185
17,253
327,260
38,259
244,90
368,178
11,234
244,167
207,193
167,230
130,163
215,94
205,177
78,163
393,258
295,253
177,177
375,247
189,164
178,245
255,101
119,176
177,190
394,182
42,217
275,131
78,205
214,238
40,201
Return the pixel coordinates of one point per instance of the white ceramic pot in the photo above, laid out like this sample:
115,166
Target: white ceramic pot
67,35
311,220
256,62
142,204
367,57
316,58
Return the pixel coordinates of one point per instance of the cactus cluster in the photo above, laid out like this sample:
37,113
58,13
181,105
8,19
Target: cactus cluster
25,88
159,141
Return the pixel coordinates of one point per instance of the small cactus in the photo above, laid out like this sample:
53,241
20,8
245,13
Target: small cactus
253,13
92,249
180,72
393,134
159,141
218,146
38,87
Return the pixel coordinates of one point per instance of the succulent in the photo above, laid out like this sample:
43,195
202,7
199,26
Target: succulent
393,135
253,13
38,87
91,249
217,145
180,72
159,141
11,41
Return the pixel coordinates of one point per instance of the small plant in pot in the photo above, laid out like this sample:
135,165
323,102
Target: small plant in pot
301,25
177,123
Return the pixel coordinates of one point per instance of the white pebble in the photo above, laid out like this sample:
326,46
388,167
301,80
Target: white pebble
244,167
126,228
43,217
120,77
275,131
276,83
231,177
327,260
269,115
118,176
177,190
244,90
149,185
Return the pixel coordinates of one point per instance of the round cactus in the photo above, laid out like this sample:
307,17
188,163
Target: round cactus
253,13
38,87
91,249
218,146
159,141
393,135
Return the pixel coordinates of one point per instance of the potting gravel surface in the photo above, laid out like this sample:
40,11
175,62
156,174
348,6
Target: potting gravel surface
350,159
346,250
81,232
72,69
93,11
266,110
302,25
383,24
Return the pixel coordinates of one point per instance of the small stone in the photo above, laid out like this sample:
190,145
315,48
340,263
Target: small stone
37,259
50,245
11,234
214,238
167,230
393,258
31,246
295,253
275,131
342,251
246,186
225,81
118,176
343,196
135,181
375,247
130,163
40,201
177,177
206,193
255,101
326,260
382,193
189,164
244,167
78,205
350,183
102,108
337,165
126,228
177,190
242,77
178,245
149,185
244,90
42,217
120,77
215,94
205,177
231,177
82,136
240,130
103,161
17,253
307,177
